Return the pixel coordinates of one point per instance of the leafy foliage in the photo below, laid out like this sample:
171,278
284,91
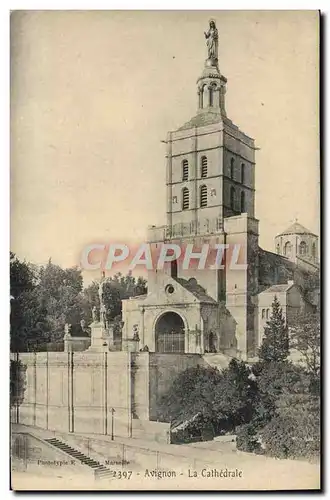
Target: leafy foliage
247,438
236,395
115,289
275,344
192,392
17,382
294,431
273,406
305,339
27,316
273,379
44,298
226,396
59,293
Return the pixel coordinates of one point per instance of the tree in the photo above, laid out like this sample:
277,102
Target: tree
275,344
22,276
225,398
90,298
294,430
112,300
305,339
59,292
247,438
236,393
128,286
192,392
17,382
43,300
27,317
273,379
116,289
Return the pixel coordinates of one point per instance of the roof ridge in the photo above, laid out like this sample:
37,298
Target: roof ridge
296,228
196,289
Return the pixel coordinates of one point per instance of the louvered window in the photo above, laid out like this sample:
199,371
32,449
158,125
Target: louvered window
203,166
203,196
185,170
185,198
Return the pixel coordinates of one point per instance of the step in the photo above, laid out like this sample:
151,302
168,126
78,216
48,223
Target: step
99,470
105,473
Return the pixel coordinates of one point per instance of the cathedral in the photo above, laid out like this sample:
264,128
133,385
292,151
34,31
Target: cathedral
210,186
191,315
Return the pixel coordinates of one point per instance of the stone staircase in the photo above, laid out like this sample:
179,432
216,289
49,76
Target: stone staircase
100,471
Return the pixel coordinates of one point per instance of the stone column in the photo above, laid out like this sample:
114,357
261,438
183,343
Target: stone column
105,386
67,342
47,389
169,181
194,194
186,341
34,388
223,81
202,335
210,89
200,98
142,327
71,394
110,336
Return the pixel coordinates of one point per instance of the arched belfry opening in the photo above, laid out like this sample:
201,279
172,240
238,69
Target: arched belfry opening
170,333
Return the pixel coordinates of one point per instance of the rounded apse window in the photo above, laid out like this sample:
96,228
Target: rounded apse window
169,289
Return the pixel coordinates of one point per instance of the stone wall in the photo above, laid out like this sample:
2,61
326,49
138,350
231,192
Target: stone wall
76,391
164,368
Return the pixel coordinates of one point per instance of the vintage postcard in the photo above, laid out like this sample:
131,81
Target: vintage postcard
165,250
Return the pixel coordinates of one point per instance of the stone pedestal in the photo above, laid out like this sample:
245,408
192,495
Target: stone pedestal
130,345
100,339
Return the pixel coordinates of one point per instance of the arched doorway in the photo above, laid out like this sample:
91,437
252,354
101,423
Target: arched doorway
170,333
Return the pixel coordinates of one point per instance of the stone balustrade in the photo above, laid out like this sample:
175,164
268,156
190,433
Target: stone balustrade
204,227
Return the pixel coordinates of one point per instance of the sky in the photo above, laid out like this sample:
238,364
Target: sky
93,94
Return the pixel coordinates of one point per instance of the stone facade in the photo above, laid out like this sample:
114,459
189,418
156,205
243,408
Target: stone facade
210,183
297,242
189,317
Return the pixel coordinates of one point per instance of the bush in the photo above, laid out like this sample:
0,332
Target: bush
17,382
294,432
248,439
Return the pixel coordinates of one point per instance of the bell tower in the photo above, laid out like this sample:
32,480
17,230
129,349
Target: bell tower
210,190
211,89
210,161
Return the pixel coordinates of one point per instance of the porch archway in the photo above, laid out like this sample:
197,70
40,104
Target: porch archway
170,333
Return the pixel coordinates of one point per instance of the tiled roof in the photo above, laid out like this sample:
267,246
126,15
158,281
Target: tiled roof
278,288
196,290
296,228
201,120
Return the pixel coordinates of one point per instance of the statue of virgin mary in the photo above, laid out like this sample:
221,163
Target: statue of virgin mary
212,42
